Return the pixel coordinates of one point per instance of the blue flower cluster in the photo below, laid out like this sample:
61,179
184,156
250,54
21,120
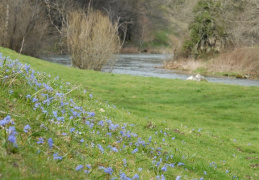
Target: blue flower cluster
51,100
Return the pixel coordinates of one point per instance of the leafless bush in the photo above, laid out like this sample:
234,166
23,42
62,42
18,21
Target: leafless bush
92,39
23,25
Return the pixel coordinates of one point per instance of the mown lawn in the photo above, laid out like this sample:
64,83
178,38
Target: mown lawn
212,128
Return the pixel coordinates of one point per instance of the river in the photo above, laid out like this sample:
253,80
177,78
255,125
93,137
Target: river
148,65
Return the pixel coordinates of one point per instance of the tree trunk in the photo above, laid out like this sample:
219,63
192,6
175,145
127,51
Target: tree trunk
6,44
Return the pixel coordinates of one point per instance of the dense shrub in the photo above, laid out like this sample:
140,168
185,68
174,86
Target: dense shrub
207,34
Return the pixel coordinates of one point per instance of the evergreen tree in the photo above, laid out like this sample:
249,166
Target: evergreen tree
207,34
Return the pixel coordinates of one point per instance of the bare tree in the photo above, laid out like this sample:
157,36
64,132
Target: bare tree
25,25
241,19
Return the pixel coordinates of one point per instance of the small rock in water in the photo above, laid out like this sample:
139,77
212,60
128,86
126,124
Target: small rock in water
190,78
198,77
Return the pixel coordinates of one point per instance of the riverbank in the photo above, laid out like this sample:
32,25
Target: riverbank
149,50
188,120
149,65
239,63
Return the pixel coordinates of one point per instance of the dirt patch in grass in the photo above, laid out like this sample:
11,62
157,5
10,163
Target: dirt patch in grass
179,132
256,166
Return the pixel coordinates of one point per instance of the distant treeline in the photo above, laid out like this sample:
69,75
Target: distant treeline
28,26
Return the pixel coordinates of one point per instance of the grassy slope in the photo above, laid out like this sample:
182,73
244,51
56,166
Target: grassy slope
228,115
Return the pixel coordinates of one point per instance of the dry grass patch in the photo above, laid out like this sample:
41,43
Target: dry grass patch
185,64
129,50
240,60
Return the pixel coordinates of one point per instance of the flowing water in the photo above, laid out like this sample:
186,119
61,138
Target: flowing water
148,65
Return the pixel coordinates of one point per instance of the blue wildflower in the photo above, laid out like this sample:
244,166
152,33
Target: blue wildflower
5,121
172,165
108,170
72,129
150,138
27,68
12,138
101,123
12,130
180,164
91,125
47,101
50,141
28,96
55,114
12,133
37,105
123,176
86,171
79,167
136,176
56,157
48,88
41,140
27,128
114,149
134,151
160,178
164,168
91,114
158,163
100,148
178,178
227,171
34,100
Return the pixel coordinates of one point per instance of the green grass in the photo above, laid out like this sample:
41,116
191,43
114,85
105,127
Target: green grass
210,122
